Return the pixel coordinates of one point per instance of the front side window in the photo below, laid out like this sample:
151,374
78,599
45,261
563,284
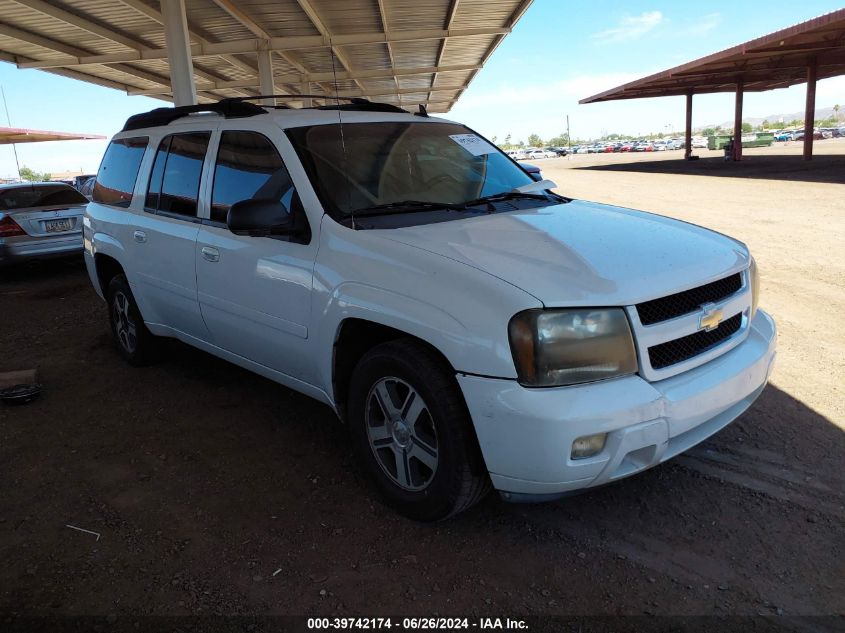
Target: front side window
175,176
357,166
119,170
248,167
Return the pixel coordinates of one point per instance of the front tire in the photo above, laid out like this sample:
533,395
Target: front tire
136,344
413,433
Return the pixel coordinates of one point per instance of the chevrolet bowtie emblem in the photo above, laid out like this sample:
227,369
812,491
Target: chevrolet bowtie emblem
711,318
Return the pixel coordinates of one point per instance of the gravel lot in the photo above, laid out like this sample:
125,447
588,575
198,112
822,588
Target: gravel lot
217,492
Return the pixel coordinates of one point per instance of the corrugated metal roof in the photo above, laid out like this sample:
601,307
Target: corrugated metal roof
776,60
402,51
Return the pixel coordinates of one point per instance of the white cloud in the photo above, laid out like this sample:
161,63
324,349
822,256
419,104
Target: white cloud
630,27
702,26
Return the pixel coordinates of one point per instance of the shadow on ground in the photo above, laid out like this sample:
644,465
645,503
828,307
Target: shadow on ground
823,168
215,491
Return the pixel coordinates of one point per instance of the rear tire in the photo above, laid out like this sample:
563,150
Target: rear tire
136,344
412,432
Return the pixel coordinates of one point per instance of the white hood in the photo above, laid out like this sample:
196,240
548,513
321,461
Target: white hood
583,253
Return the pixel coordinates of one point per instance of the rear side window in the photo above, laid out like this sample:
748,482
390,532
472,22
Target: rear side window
175,177
39,196
119,170
248,166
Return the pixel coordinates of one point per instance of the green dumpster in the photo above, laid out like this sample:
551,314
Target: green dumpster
752,139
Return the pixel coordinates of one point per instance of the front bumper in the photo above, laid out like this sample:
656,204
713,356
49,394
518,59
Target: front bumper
526,435
25,248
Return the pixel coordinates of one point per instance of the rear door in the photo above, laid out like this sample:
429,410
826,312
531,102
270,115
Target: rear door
161,239
255,292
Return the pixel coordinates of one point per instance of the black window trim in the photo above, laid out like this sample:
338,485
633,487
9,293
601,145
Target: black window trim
209,222
170,214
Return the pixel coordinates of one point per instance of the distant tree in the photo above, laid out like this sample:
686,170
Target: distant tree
521,144
494,139
508,141
534,140
33,176
836,111
747,127
559,140
709,131
765,125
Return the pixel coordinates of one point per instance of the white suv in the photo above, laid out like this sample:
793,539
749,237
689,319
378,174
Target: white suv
470,326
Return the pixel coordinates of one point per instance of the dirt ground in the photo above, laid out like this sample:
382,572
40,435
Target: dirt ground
217,492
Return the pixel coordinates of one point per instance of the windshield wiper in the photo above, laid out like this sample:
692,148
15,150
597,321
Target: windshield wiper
406,206
506,195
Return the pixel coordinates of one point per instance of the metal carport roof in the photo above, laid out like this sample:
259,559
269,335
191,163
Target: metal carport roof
776,60
805,52
9,135
398,51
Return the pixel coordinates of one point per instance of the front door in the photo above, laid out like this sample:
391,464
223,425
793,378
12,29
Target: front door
255,292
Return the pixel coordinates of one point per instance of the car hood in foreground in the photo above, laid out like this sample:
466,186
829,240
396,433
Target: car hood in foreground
583,253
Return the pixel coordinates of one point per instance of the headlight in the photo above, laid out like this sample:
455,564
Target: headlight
754,281
564,347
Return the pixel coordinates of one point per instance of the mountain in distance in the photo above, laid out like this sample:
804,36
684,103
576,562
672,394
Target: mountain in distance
821,113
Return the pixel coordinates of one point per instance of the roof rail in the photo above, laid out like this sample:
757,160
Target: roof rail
229,108
354,103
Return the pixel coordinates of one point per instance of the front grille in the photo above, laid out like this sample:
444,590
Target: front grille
686,347
681,303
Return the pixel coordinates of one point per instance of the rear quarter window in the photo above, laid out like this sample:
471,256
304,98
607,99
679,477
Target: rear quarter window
119,170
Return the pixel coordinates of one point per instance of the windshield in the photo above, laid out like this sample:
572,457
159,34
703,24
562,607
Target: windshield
376,164
25,197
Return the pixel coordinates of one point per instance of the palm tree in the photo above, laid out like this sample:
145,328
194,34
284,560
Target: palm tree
836,111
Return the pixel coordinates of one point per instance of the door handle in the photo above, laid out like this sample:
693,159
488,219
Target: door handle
140,236
210,254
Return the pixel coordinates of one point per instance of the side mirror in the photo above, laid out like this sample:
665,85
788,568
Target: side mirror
260,218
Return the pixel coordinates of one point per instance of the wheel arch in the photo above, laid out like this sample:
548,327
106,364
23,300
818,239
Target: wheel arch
107,268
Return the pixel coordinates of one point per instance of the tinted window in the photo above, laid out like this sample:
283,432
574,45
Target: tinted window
116,178
370,164
175,177
248,166
39,196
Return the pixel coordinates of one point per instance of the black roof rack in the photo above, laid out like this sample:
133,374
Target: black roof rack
229,108
354,103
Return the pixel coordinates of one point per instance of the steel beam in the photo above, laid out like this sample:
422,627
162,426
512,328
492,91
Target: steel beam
179,52
737,142
265,76
275,44
810,111
688,129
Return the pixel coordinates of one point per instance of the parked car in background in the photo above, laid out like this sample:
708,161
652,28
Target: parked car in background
644,146
540,153
699,142
517,154
87,187
78,181
784,136
533,171
39,220
659,146
559,151
627,146
472,328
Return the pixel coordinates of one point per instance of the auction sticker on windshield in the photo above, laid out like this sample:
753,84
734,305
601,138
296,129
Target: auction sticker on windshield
473,144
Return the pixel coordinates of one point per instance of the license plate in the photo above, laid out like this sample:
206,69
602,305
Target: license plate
58,226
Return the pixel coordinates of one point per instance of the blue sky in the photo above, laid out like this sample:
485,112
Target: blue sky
560,52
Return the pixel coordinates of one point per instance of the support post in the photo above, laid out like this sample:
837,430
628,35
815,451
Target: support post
265,76
688,129
737,142
178,43
810,111
306,89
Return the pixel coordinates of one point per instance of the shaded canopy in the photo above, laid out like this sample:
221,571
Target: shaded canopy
21,135
777,60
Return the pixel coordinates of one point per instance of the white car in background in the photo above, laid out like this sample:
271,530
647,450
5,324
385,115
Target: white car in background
470,326
699,142
517,154
541,153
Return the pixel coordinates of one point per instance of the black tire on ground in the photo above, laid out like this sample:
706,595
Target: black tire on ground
459,479
136,344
